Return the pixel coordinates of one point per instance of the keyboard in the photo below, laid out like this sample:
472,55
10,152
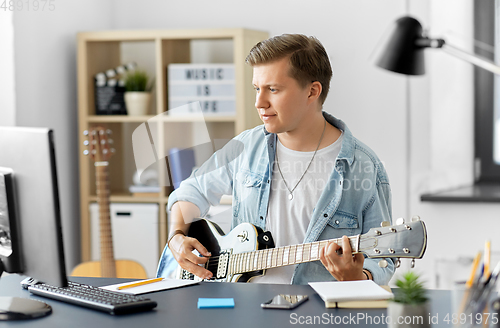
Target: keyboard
93,297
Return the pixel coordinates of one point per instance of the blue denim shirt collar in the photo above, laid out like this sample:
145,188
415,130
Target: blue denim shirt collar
346,151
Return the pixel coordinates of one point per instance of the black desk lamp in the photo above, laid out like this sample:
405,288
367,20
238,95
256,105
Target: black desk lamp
403,51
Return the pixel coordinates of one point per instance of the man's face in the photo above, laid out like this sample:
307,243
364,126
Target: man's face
280,100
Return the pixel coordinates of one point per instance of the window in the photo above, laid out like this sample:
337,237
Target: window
487,89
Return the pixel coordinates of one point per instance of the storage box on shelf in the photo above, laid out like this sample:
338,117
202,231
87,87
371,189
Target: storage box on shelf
99,51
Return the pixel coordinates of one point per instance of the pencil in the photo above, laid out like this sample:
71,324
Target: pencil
140,283
487,256
475,264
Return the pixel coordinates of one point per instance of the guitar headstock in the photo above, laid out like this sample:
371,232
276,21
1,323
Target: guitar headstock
405,240
99,144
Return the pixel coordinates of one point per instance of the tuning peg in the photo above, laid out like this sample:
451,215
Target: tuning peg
94,151
94,142
103,142
86,132
94,132
86,143
415,218
398,263
110,141
109,132
85,152
412,263
385,224
400,221
101,132
113,150
105,151
383,263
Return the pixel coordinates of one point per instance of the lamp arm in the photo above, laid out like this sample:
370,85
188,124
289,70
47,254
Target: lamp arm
471,58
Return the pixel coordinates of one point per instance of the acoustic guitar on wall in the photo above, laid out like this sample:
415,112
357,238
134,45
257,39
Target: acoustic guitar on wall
100,152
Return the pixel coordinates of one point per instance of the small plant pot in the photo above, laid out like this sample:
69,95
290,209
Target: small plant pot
137,103
401,315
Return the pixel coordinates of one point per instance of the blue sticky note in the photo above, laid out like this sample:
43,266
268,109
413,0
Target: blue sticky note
211,303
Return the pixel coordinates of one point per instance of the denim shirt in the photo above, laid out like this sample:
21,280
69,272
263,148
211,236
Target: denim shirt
356,198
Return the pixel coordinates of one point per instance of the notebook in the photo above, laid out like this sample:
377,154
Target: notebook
353,294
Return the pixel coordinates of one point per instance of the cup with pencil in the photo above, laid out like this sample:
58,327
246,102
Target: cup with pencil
474,309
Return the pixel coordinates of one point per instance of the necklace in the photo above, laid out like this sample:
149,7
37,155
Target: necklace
290,195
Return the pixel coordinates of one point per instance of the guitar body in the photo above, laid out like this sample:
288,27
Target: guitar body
242,239
124,269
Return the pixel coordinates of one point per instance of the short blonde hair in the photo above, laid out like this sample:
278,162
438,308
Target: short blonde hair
308,58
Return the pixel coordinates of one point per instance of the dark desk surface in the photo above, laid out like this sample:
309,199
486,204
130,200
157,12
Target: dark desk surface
178,308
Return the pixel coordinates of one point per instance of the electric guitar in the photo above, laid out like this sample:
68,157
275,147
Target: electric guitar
247,251
100,152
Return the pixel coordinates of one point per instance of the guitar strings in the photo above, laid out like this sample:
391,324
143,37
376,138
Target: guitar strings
213,261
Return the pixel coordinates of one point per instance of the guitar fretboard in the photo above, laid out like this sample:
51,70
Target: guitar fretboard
108,267
282,256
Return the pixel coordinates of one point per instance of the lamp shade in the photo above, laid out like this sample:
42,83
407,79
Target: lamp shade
401,52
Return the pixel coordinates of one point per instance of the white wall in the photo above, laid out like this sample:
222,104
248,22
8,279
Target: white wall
7,90
46,95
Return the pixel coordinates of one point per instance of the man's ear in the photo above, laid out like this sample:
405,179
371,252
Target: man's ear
315,89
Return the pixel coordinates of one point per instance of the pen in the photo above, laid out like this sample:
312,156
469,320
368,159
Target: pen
140,283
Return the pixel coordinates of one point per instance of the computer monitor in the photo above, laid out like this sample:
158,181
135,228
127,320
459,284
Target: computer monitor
31,190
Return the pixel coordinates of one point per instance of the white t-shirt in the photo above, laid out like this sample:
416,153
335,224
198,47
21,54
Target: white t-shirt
287,219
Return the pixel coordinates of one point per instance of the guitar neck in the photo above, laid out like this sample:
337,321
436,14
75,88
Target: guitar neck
108,267
283,256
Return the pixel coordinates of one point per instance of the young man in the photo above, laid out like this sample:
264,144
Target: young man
301,175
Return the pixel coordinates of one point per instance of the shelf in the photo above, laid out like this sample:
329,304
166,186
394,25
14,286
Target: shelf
139,119
477,193
154,51
128,198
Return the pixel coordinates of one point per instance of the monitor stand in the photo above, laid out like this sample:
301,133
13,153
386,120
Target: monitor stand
17,308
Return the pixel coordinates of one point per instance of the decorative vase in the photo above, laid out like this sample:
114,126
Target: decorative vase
137,102
401,315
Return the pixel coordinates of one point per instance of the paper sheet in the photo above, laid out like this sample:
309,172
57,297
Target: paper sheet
149,288
338,291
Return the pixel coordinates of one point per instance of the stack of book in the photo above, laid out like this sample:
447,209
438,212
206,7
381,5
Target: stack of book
212,85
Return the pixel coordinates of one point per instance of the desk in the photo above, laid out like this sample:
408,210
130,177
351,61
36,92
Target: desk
178,308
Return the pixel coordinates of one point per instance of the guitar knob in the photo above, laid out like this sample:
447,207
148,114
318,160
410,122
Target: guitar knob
383,263
85,152
109,132
86,143
110,141
415,218
113,150
400,221
104,151
86,132
103,142
385,224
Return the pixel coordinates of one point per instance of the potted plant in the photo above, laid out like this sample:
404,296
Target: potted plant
137,93
409,308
